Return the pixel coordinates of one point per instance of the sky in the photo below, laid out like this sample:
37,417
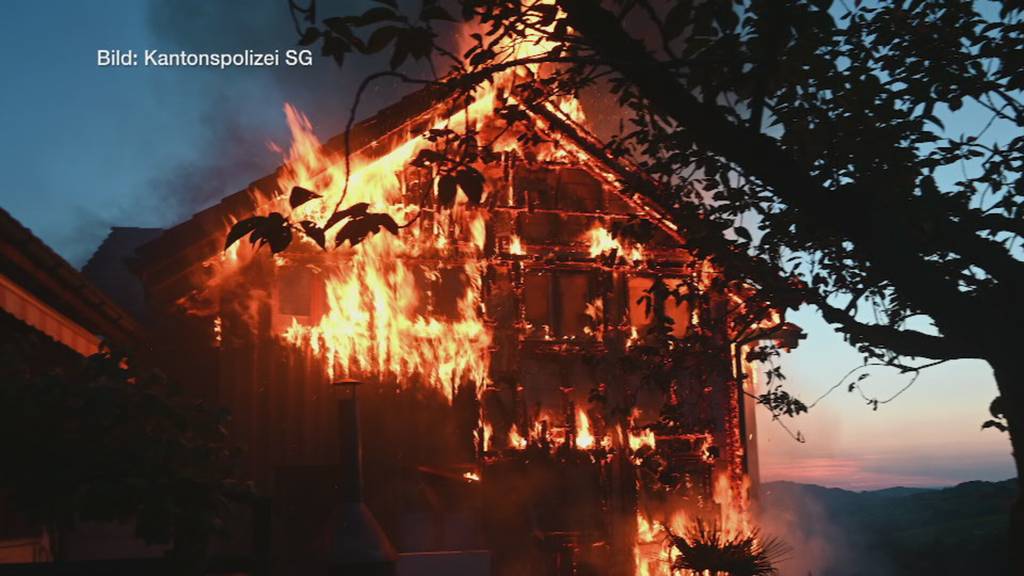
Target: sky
84,148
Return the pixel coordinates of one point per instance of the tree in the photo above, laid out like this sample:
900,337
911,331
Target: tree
797,143
106,442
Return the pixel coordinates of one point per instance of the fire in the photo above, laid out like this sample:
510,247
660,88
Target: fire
584,438
653,551
601,242
735,506
515,246
537,431
515,440
379,320
217,331
488,436
374,323
641,438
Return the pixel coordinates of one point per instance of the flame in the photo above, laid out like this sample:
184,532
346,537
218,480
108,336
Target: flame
374,323
641,438
488,436
584,438
537,431
515,440
217,331
653,550
634,337
515,246
376,320
734,503
601,242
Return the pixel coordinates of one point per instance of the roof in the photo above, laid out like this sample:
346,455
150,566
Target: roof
167,259
195,240
108,267
45,288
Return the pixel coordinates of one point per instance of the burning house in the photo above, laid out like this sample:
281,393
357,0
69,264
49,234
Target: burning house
546,372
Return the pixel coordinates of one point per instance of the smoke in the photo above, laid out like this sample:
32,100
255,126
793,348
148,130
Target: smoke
88,227
240,109
810,520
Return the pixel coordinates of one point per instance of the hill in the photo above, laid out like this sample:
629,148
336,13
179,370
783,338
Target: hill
896,531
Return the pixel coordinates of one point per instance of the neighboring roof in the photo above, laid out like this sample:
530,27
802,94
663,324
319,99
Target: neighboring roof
108,267
41,288
167,260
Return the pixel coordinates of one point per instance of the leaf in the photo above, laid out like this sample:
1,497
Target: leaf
377,15
243,227
446,190
401,52
388,223
335,47
420,41
546,12
996,408
434,12
471,181
357,229
426,157
310,36
352,211
340,26
273,229
676,20
994,424
742,233
300,196
276,232
380,38
482,57
315,232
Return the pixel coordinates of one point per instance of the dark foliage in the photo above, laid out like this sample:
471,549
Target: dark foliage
706,549
105,442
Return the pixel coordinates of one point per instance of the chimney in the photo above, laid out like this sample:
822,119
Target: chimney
359,547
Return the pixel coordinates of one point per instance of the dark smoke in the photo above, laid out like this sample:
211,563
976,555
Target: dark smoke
243,107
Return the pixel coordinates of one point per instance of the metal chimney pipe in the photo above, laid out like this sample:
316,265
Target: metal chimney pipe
360,547
350,443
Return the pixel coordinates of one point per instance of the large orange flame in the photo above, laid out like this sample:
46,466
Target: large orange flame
374,323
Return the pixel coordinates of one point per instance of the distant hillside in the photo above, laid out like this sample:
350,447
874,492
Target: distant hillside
896,531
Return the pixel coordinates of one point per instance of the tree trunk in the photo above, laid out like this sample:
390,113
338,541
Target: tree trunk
1006,377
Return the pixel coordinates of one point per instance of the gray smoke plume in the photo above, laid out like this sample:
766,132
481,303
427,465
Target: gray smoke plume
243,107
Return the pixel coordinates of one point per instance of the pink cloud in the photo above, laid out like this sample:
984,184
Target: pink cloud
850,473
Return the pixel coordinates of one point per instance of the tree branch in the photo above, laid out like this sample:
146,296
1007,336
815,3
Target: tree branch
902,342
885,244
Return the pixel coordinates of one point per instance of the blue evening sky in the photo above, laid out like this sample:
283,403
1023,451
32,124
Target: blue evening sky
85,148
